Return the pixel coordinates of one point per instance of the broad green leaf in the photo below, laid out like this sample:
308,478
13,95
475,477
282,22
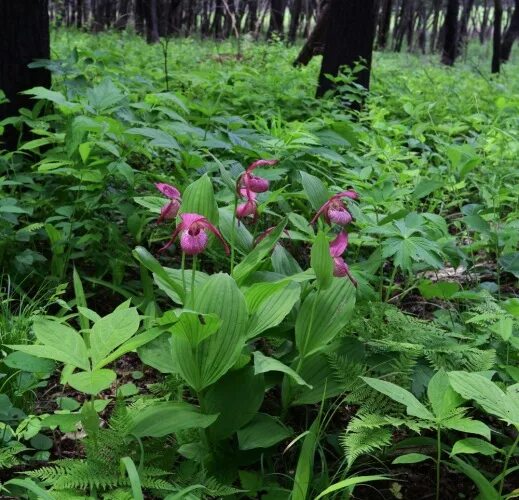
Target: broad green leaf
510,263
331,310
92,382
263,364
400,395
269,304
350,483
30,485
158,354
175,275
236,397
159,138
153,265
253,259
472,446
133,475
215,355
27,363
321,261
487,491
465,424
60,343
411,458
81,301
130,345
305,462
111,331
198,198
442,397
161,419
243,240
487,394
195,327
315,190
263,431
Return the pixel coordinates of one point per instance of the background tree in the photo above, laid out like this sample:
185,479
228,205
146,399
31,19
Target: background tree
24,36
511,34
450,44
496,49
349,40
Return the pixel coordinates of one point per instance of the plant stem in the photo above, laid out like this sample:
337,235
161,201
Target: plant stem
507,460
183,271
438,462
193,275
233,231
391,282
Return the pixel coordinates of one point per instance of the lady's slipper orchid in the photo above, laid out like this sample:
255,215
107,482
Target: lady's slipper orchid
249,207
250,181
169,210
335,211
193,234
337,248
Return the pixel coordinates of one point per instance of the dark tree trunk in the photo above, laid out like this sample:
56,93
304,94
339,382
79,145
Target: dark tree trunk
434,30
277,17
349,40
450,43
123,14
79,14
385,22
218,17
152,22
204,22
139,15
511,34
484,22
252,16
496,52
24,36
295,16
464,25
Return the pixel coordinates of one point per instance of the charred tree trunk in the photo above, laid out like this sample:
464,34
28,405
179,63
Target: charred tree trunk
451,33
349,40
294,20
277,18
385,22
511,34
496,51
24,36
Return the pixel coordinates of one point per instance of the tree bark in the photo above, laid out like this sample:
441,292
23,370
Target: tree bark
385,22
139,15
24,36
277,17
123,17
349,40
295,16
496,52
511,34
464,25
152,22
484,22
434,29
451,33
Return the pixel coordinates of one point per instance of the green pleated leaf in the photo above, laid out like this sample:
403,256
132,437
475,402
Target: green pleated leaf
269,304
198,198
263,431
321,261
331,309
92,382
243,240
214,356
315,190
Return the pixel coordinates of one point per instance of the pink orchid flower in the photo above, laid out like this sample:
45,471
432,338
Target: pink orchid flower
193,234
250,181
249,207
169,210
335,211
337,247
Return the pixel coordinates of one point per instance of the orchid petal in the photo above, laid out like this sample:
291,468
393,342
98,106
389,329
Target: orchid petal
339,244
207,225
167,190
320,212
347,194
261,163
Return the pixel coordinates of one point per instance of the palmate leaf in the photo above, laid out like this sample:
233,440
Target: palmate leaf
405,251
214,356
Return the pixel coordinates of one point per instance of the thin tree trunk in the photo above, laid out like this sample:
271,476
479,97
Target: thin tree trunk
349,40
277,18
511,34
295,14
484,22
152,22
464,25
434,30
24,36
451,33
496,52
385,22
